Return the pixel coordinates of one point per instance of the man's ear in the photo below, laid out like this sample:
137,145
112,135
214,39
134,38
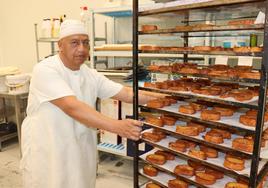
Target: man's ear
60,45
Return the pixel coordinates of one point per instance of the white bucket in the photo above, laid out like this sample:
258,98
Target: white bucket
18,83
4,71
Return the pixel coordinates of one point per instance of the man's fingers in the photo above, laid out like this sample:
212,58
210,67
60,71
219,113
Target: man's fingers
136,133
135,122
137,129
132,129
134,138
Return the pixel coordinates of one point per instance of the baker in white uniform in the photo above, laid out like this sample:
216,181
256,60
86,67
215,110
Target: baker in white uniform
59,132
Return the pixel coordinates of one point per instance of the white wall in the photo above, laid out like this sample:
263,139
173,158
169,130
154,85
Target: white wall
17,18
1,36
1,52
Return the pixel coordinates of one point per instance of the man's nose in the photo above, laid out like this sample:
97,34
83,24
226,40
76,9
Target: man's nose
81,46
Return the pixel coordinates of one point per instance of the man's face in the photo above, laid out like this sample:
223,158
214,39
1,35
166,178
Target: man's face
75,50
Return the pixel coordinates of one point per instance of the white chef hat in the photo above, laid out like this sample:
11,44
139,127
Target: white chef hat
72,27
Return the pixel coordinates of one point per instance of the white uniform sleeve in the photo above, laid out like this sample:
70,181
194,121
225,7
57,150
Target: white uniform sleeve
47,84
107,88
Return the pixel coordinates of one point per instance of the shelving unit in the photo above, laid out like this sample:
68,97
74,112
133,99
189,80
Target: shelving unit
256,162
114,13
129,54
51,41
19,101
117,13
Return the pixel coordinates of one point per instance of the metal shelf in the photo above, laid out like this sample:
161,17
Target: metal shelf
48,40
198,120
157,180
171,174
130,53
206,29
185,156
199,141
122,11
190,179
209,4
187,179
252,105
224,79
225,53
155,55
100,39
112,148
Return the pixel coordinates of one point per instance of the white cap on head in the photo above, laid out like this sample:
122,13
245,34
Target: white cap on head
72,27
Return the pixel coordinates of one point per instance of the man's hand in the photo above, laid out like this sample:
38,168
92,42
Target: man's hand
126,95
128,128
88,116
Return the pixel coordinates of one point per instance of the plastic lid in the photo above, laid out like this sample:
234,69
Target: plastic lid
9,70
84,8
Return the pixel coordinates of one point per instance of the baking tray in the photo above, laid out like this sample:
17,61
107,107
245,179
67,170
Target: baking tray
218,78
212,162
228,122
170,165
162,178
226,145
227,53
210,98
205,29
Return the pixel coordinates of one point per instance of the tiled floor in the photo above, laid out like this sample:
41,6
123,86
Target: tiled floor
10,176
113,171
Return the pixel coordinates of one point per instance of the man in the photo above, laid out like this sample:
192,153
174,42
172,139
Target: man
59,132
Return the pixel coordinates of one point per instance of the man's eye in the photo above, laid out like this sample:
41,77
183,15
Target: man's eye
86,43
74,43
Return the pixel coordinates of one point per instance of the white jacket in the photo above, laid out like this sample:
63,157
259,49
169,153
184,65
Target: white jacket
57,151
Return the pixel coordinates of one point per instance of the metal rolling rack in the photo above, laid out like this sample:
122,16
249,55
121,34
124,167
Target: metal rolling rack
257,170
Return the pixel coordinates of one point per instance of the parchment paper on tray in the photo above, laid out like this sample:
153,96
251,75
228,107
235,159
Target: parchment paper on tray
214,161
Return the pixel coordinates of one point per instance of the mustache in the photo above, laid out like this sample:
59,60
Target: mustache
82,55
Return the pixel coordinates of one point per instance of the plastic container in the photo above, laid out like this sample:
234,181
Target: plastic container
85,17
55,28
234,43
4,71
18,83
253,40
46,28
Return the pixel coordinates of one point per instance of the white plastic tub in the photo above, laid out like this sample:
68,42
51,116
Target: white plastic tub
18,83
4,71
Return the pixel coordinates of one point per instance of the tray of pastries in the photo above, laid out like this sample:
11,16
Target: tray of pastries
218,71
226,161
196,173
233,117
206,89
165,179
200,132
213,50
231,25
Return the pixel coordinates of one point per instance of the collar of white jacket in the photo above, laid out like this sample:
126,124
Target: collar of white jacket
72,27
